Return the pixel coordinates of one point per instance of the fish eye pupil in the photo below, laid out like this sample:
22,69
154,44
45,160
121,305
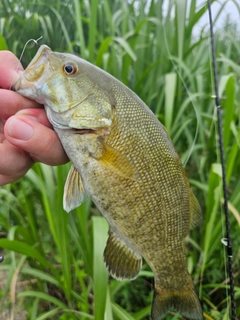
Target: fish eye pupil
69,69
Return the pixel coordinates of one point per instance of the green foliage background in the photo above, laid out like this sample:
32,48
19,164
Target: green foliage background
155,53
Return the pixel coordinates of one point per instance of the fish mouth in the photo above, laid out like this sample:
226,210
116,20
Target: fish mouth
98,132
85,131
43,52
34,71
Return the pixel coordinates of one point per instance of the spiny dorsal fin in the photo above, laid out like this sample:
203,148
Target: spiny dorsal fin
121,261
195,211
74,192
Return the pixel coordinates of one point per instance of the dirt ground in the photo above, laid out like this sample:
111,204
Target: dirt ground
7,314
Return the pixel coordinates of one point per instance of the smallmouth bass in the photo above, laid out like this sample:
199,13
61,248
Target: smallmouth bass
124,160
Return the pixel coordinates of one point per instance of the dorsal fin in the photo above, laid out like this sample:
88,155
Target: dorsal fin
195,211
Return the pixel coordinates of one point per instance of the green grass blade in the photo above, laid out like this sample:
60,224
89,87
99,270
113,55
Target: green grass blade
28,251
79,29
92,30
181,6
108,315
42,296
48,315
170,90
34,309
143,313
64,29
228,106
43,276
100,274
123,43
120,313
3,44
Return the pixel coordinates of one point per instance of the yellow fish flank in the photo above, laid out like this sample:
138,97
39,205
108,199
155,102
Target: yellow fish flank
124,160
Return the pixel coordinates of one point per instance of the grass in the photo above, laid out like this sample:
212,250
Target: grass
59,255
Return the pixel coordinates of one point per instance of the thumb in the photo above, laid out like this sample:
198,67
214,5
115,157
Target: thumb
40,141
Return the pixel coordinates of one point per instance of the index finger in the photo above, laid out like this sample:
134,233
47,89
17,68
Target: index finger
10,68
11,102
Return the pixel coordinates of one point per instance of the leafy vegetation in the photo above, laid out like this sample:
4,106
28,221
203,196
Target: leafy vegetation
152,47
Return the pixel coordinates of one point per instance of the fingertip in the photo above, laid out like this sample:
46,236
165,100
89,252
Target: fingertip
18,129
10,68
40,141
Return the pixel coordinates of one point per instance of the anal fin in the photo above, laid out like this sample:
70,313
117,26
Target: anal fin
120,260
74,192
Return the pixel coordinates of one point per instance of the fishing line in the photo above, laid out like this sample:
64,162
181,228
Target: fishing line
219,193
227,240
24,48
214,124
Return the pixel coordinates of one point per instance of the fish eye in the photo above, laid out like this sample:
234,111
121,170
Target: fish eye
70,69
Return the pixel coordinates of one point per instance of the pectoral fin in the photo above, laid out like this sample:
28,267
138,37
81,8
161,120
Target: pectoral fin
116,162
74,192
121,261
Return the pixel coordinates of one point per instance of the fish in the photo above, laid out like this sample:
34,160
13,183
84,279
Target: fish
124,160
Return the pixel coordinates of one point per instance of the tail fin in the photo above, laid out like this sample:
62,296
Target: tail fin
185,301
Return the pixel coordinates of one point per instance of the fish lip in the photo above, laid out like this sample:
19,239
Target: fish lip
43,51
16,85
39,60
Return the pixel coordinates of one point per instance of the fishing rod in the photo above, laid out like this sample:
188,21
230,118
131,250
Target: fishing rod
226,241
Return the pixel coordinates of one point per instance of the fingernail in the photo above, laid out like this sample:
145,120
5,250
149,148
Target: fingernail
18,129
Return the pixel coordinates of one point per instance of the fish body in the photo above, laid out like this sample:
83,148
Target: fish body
123,158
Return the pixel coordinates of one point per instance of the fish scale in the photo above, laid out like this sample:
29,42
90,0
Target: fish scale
124,160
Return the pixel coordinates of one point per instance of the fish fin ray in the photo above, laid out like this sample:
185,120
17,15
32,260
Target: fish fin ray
195,212
121,261
118,163
184,301
74,191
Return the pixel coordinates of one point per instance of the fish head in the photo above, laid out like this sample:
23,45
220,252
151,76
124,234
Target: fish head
64,84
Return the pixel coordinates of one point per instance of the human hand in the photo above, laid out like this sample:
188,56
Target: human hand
26,135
